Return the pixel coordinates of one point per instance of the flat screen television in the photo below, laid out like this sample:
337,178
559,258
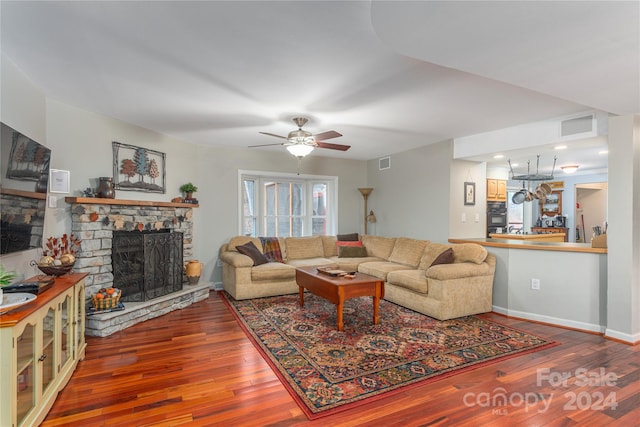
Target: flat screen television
24,178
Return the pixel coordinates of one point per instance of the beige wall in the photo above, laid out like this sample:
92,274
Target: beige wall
468,220
412,197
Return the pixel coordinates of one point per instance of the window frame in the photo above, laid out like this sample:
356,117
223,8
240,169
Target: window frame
262,177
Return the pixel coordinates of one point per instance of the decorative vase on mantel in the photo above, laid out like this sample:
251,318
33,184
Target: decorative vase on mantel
106,190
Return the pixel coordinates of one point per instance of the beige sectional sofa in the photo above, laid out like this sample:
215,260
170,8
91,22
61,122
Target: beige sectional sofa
442,291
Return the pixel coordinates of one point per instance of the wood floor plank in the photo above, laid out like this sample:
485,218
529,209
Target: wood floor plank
196,367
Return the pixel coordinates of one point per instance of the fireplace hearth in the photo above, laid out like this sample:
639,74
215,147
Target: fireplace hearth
146,264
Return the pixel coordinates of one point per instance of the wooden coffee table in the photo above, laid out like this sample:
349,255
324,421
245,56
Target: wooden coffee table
339,289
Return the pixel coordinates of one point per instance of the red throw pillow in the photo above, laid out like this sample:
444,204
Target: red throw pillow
348,243
445,257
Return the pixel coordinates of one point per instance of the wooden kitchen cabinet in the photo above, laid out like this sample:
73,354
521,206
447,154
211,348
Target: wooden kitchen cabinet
552,206
41,344
496,190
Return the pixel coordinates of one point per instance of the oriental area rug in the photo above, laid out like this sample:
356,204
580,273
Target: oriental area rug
327,371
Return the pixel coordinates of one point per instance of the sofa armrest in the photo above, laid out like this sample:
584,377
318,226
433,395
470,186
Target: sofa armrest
459,270
236,259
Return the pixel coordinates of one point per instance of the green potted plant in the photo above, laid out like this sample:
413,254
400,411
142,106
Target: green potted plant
188,189
6,277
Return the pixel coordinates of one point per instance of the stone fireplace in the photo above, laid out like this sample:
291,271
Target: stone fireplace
166,228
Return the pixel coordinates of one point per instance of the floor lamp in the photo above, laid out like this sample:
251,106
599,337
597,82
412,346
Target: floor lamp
365,193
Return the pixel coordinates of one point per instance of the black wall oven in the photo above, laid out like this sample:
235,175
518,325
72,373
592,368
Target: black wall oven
496,217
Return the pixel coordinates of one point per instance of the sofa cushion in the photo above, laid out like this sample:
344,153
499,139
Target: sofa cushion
250,250
459,271
378,246
380,269
408,251
329,246
351,264
431,252
310,262
351,237
352,251
304,247
445,257
272,271
409,279
241,240
469,252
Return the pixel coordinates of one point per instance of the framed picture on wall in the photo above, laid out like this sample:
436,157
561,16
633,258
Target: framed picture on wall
469,193
138,168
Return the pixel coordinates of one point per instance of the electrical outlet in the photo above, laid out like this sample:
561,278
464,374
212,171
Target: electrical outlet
535,284
477,217
464,217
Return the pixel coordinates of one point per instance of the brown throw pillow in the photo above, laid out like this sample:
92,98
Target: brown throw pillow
351,237
352,251
445,257
250,250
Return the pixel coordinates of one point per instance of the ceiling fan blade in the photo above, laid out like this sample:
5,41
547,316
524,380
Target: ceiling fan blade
266,145
327,135
332,146
273,134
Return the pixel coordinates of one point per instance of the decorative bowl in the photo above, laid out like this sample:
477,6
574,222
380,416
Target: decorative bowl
55,270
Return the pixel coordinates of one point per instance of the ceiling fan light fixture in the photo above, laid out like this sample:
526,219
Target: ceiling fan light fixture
300,150
300,137
569,168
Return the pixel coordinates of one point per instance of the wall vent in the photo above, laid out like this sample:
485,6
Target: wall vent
384,163
576,125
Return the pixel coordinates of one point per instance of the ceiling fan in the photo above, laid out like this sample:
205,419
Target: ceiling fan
301,142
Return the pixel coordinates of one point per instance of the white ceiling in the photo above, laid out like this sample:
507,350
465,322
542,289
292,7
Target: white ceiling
389,76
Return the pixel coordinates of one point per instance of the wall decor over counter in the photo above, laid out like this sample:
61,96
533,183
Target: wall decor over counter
138,169
470,193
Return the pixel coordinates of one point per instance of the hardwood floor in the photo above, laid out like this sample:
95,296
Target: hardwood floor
196,367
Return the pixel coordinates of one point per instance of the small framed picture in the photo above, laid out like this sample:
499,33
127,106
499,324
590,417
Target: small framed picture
59,181
469,193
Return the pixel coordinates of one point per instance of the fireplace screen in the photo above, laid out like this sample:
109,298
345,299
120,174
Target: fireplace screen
147,264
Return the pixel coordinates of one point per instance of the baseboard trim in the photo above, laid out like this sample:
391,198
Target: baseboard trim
622,336
556,321
632,339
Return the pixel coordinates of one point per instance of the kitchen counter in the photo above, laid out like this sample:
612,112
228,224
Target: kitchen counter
557,230
528,244
555,237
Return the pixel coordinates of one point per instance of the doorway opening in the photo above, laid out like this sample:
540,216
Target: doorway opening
590,210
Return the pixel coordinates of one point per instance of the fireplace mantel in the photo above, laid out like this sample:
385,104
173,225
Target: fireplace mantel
122,202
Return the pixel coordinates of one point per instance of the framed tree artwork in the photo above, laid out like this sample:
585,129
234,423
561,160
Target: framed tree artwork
138,168
469,193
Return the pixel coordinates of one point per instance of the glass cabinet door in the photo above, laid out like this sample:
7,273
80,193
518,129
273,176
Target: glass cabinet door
79,320
25,390
47,358
66,332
